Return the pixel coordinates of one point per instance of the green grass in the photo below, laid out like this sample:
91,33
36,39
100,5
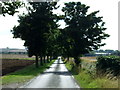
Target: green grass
24,74
85,80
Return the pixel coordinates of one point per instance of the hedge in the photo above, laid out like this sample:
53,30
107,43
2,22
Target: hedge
108,63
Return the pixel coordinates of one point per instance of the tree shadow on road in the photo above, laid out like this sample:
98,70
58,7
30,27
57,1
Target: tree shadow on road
65,73
58,62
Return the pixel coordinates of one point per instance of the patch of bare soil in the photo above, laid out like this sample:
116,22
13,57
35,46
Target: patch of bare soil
11,69
12,65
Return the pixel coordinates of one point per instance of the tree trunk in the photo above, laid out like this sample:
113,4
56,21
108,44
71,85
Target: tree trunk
77,60
50,58
36,61
68,58
47,59
44,59
41,63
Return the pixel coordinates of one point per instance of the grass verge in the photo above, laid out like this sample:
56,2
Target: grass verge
24,74
85,80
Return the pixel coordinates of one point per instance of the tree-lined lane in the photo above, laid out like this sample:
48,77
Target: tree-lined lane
57,76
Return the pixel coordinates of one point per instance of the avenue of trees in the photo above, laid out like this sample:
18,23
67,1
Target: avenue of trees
43,37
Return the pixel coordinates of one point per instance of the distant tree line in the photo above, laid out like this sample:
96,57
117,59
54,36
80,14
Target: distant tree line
12,51
103,52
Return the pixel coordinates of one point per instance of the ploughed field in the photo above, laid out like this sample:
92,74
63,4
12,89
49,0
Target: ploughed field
13,62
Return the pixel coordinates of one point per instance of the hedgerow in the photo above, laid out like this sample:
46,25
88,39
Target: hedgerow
108,64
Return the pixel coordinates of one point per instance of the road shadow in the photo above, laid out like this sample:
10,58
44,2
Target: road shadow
64,73
58,62
49,67
57,69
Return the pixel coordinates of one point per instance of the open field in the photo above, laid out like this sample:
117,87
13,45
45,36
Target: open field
15,56
13,62
91,58
13,65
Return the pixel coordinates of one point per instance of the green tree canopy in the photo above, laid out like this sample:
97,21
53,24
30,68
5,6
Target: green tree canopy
35,27
10,7
85,31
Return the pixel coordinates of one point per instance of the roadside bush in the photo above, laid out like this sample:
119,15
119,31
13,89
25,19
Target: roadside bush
108,64
87,77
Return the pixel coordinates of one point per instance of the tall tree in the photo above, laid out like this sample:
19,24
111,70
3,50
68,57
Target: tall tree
85,31
35,27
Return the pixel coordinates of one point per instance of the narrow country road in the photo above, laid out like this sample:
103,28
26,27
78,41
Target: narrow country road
57,76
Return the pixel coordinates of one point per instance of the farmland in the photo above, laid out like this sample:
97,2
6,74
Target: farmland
89,59
15,56
13,62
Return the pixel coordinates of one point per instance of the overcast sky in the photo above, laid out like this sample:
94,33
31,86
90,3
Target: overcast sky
108,9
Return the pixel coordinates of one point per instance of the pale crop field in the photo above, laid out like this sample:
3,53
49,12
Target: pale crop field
90,59
15,56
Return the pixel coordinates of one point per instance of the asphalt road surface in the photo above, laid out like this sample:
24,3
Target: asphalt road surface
57,76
